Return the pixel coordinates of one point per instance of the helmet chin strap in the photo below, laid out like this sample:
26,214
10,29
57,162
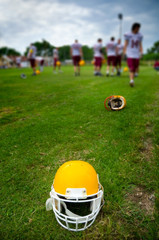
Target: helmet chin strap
49,206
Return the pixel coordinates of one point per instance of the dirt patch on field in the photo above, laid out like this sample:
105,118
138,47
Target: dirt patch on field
146,147
6,111
143,199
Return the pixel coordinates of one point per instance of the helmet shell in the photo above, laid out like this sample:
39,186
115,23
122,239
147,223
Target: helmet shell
76,174
82,62
58,63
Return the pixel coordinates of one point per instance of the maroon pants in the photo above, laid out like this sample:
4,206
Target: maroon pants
55,61
32,62
111,61
133,64
98,61
76,60
118,60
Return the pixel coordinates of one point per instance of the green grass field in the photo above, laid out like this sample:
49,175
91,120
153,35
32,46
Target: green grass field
49,119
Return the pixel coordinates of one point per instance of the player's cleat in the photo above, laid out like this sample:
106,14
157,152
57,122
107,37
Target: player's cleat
118,73
34,74
99,74
23,76
107,74
131,83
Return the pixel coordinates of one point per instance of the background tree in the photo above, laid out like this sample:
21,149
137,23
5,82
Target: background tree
87,52
44,48
152,53
64,52
9,51
154,48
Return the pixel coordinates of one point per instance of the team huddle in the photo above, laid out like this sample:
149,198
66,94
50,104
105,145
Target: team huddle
132,48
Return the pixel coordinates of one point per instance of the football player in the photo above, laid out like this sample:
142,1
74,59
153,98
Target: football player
156,65
32,58
40,61
56,59
18,61
76,55
111,51
133,49
98,57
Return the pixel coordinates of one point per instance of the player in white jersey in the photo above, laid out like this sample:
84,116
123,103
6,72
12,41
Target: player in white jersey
32,57
18,61
56,59
76,54
40,62
98,57
111,52
133,49
119,57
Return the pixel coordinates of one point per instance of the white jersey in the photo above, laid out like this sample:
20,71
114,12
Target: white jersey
97,50
18,60
55,53
111,48
119,49
39,58
32,49
76,49
133,48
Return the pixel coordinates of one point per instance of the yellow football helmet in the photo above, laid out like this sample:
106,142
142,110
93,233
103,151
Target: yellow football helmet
115,102
76,186
37,72
82,62
125,69
58,63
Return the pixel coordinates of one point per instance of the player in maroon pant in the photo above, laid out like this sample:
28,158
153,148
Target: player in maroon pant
76,54
133,49
111,52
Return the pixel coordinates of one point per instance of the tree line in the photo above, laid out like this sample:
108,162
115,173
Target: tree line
44,48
